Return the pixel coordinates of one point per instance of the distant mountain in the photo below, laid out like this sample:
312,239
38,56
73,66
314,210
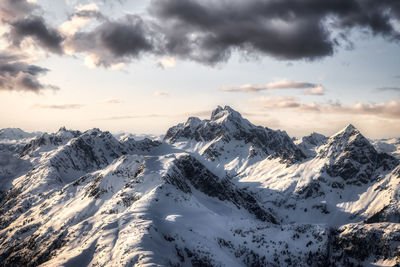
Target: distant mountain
216,192
46,141
227,134
389,146
353,158
308,144
138,137
16,134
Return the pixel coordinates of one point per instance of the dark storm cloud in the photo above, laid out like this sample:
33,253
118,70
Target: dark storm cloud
88,13
13,9
24,21
373,15
115,41
123,40
36,27
16,75
208,31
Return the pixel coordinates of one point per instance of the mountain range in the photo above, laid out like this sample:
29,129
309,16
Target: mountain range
214,192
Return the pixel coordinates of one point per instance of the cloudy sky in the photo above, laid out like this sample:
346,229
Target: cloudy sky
141,66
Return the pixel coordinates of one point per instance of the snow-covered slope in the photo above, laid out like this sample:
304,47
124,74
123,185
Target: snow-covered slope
309,144
217,192
138,137
389,146
16,134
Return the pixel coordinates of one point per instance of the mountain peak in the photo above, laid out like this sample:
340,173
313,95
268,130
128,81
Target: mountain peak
314,139
227,126
349,129
346,132
353,157
15,134
224,112
193,122
62,129
349,135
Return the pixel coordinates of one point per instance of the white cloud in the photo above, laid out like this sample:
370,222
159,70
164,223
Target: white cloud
317,90
59,107
161,94
91,61
70,27
314,89
390,109
167,62
88,7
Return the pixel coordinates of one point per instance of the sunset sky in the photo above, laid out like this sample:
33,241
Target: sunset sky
142,66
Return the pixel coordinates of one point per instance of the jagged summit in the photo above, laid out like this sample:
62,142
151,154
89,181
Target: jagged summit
228,126
350,127
349,137
224,112
353,157
348,130
315,139
192,122
63,132
224,122
15,134
309,143
230,118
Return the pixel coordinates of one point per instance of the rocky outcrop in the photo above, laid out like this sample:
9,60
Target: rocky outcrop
356,244
187,172
352,157
49,141
227,125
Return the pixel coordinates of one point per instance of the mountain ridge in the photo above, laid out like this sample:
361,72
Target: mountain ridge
216,192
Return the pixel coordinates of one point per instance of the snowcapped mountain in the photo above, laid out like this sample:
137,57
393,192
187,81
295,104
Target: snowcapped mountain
353,158
389,146
16,134
309,143
227,133
216,192
138,137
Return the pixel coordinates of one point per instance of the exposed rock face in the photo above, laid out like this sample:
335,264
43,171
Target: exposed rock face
309,143
353,158
188,169
356,243
90,150
145,145
49,141
225,126
390,146
315,139
389,213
